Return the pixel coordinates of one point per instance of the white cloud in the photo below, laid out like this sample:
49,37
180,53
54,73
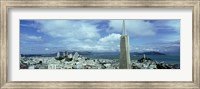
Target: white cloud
79,35
69,29
107,43
26,37
85,35
110,38
143,49
110,42
133,27
168,25
174,24
46,49
30,25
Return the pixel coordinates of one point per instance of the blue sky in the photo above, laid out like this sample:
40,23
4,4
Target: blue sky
49,36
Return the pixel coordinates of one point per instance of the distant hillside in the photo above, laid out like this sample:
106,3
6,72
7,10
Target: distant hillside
92,53
54,54
148,53
38,55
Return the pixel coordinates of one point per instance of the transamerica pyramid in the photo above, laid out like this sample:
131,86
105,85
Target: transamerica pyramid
124,50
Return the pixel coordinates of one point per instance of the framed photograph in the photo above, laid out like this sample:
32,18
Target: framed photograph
100,44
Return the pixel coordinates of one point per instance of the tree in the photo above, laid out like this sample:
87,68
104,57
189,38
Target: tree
59,58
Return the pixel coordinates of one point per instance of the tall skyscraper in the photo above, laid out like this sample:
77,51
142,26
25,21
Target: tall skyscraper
125,62
66,53
58,54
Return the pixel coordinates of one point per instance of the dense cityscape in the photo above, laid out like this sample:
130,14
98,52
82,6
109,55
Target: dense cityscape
65,60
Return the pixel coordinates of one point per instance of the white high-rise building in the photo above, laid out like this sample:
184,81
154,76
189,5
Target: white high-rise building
66,53
58,54
75,57
63,54
124,50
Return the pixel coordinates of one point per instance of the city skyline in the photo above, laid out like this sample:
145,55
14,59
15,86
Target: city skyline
49,36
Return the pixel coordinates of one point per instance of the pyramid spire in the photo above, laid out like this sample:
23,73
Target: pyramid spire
125,62
123,28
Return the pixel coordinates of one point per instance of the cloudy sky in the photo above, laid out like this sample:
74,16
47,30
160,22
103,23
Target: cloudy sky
49,36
